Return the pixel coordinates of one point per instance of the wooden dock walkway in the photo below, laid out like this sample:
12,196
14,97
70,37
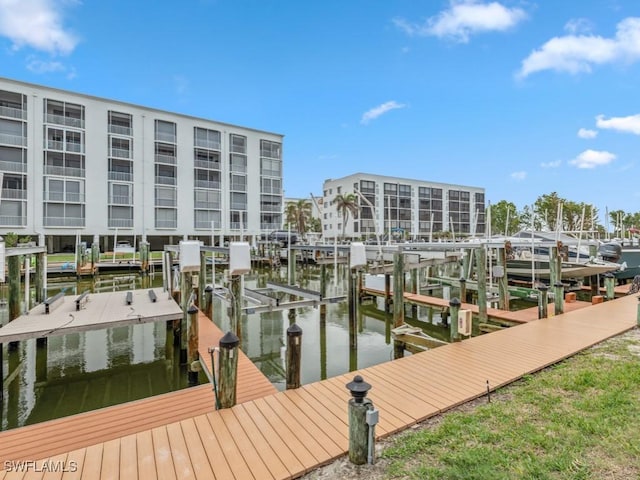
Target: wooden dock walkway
289,433
516,317
68,433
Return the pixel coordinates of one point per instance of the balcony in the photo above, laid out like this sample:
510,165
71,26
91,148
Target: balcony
270,226
271,190
206,164
165,137
238,225
166,202
164,180
13,194
271,208
238,205
13,140
121,153
209,144
121,176
168,159
166,223
207,225
15,167
61,197
61,146
207,205
207,184
64,171
12,112
120,130
63,222
62,120
238,186
12,221
126,200
120,222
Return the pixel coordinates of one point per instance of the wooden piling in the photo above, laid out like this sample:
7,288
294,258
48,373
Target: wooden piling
202,280
40,277
503,283
463,289
553,266
185,293
481,273
454,307
294,356
208,301
543,301
352,297
192,351
558,298
387,293
609,284
398,289
323,288
236,305
228,370
415,290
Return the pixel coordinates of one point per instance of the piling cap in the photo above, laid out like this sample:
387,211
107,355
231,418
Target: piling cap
463,280
358,388
229,340
543,287
455,302
208,289
192,309
294,331
558,284
608,275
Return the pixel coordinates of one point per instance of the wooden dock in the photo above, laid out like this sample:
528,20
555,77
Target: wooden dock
516,317
289,433
69,433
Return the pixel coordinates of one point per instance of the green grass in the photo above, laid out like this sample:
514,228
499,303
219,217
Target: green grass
577,420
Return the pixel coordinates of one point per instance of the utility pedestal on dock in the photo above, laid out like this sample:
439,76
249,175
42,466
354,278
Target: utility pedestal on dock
362,421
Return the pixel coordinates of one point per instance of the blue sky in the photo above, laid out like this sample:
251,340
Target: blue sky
520,97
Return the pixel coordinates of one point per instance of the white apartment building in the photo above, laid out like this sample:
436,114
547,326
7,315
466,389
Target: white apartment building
400,207
73,164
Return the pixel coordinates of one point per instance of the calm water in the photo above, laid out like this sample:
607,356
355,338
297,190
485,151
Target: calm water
85,371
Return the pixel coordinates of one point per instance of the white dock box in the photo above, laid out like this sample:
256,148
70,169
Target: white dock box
239,258
190,256
357,255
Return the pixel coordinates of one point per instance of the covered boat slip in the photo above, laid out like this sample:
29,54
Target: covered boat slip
62,314
289,433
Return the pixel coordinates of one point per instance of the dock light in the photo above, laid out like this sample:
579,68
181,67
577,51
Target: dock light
455,302
358,388
295,332
239,258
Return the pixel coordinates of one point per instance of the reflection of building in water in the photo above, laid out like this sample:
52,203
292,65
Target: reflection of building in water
266,346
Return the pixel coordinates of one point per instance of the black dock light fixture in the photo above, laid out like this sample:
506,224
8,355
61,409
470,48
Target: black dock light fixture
358,388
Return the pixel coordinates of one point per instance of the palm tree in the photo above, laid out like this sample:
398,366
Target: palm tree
299,215
346,204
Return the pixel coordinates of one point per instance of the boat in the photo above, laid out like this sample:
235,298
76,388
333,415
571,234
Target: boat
527,261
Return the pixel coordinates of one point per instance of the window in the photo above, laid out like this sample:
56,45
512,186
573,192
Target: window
207,138
270,149
238,143
390,188
120,123
271,168
165,131
238,163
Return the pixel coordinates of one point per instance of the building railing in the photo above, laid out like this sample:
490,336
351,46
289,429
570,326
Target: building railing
164,180
13,221
166,202
207,225
120,222
60,197
166,223
120,176
270,226
271,190
64,171
121,153
14,194
238,225
209,144
16,167
121,199
165,137
63,221
120,130
207,184
74,147
62,120
13,140
238,205
238,186
170,159
265,172
271,208
206,164
13,112
207,205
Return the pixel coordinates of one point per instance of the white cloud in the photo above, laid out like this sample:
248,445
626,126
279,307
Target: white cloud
592,159
553,164
36,24
578,25
375,112
463,19
587,134
630,124
519,175
38,66
579,53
